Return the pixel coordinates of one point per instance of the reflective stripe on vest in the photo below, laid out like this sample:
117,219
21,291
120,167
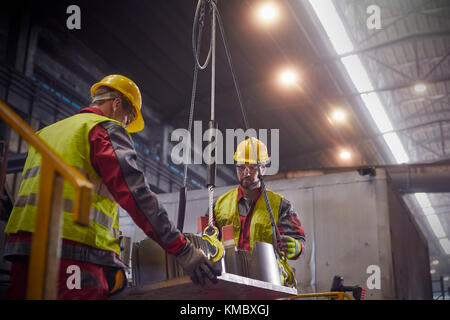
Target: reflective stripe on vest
99,188
69,252
70,138
95,215
227,212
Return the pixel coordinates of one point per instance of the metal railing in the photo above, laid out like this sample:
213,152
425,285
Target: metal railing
338,295
43,270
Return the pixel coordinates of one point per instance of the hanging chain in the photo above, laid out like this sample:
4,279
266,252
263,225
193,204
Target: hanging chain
276,233
199,19
211,203
201,23
213,96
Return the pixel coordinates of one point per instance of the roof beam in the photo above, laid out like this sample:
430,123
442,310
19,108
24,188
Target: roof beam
389,43
402,17
424,110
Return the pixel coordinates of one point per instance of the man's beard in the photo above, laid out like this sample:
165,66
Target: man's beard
250,186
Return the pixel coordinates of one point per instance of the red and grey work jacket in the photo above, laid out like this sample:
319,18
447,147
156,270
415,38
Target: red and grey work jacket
101,149
251,221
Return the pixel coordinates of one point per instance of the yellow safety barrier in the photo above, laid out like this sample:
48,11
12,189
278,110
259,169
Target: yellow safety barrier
331,295
45,247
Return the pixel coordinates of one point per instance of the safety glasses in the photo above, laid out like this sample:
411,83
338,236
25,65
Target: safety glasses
242,168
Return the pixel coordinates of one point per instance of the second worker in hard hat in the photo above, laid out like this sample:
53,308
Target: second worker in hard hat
96,142
244,207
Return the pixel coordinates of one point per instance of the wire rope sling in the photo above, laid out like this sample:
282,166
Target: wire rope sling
210,233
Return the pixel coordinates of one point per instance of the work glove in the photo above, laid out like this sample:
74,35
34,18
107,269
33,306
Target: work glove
291,247
196,265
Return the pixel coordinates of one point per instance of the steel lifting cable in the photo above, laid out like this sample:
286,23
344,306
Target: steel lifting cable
276,233
198,22
201,5
287,274
200,9
196,42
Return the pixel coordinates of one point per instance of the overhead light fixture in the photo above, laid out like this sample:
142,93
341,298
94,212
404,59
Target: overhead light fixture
357,73
338,115
420,88
328,16
396,147
432,271
345,155
377,112
332,23
436,225
445,244
435,262
424,202
446,278
288,77
268,12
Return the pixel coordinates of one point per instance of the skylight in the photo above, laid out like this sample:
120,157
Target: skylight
342,44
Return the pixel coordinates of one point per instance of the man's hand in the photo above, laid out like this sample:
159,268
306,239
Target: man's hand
291,247
196,265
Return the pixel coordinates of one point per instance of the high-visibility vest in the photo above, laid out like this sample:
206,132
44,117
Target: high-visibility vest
227,212
70,139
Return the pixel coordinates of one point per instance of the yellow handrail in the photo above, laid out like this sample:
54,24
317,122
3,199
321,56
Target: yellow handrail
45,249
334,294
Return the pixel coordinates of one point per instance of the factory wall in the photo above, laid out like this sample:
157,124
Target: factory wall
409,253
356,227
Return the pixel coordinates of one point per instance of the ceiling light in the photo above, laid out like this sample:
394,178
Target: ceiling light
394,143
432,271
445,244
435,262
288,77
377,111
332,23
424,202
420,88
338,115
267,12
436,225
446,278
357,73
345,155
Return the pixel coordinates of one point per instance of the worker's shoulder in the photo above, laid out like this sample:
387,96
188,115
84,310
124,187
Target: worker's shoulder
228,193
112,126
79,121
274,194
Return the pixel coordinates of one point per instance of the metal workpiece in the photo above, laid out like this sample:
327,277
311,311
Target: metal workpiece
229,287
150,263
230,261
125,250
263,264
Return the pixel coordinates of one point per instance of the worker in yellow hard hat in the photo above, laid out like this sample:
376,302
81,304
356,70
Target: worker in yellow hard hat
244,207
96,142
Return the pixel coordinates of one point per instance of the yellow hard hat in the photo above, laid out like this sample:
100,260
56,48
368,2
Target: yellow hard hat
131,91
245,153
